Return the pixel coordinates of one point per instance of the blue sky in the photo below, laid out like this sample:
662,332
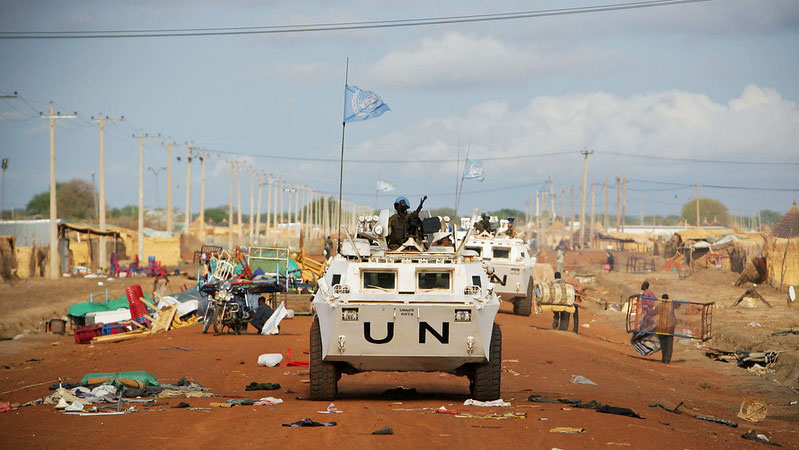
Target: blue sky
714,81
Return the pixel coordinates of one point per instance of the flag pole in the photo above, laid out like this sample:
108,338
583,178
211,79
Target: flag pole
463,175
341,166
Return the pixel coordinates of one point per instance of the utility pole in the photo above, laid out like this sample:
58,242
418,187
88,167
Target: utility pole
605,218
230,211
258,214
585,152
697,205
141,198
54,272
202,197
187,219
552,201
169,186
5,166
618,202
252,200
593,218
624,204
101,205
563,204
238,203
270,181
3,196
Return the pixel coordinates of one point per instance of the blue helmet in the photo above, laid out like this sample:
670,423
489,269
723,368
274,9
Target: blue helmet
400,201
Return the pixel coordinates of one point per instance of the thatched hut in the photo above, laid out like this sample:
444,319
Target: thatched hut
782,250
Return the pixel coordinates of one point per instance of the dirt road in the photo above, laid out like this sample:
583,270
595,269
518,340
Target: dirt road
536,360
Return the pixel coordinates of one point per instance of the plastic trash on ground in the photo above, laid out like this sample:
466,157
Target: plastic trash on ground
270,359
497,402
579,379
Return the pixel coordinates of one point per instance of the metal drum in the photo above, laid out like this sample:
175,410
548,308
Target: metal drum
550,293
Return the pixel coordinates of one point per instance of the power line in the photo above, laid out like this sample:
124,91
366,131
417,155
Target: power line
338,26
382,161
696,160
714,186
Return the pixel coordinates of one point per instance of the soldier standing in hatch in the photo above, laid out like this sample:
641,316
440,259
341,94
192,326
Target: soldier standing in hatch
328,248
398,223
483,225
510,232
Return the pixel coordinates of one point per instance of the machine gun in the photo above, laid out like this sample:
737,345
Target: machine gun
415,223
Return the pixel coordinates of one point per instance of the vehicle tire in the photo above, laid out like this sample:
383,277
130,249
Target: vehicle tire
323,375
485,383
219,312
209,319
523,306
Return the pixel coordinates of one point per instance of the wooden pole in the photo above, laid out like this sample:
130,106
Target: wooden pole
169,227
202,197
593,218
605,218
697,205
230,210
187,219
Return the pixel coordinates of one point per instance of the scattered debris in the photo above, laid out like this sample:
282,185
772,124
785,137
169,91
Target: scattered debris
494,416
579,379
270,359
309,423
753,324
497,402
570,430
331,409
761,438
268,401
386,430
607,409
752,410
675,410
262,386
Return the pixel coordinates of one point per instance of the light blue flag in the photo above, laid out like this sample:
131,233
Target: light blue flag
361,104
474,170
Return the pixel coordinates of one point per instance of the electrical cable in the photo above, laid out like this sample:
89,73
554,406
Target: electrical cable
340,26
696,160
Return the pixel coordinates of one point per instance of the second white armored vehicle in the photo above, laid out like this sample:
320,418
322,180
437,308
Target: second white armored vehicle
509,264
421,307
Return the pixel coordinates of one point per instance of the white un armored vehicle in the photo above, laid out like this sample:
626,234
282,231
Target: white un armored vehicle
421,307
508,262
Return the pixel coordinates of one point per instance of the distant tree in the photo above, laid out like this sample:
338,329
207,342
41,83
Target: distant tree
75,200
769,217
129,211
711,211
505,213
216,215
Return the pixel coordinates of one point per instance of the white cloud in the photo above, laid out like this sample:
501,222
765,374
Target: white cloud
759,125
457,59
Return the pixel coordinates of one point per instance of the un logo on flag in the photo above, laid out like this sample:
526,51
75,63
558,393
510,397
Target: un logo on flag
364,102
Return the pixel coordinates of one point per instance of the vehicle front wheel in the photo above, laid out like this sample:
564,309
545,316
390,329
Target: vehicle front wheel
323,375
485,383
209,319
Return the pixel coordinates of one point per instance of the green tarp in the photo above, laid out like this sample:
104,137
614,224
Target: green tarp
81,309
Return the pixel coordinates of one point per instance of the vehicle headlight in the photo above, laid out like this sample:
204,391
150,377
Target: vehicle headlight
463,315
349,314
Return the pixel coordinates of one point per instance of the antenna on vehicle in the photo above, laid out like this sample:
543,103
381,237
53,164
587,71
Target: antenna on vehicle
341,164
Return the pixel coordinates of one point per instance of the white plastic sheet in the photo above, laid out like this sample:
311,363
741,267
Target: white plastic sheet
270,327
270,359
